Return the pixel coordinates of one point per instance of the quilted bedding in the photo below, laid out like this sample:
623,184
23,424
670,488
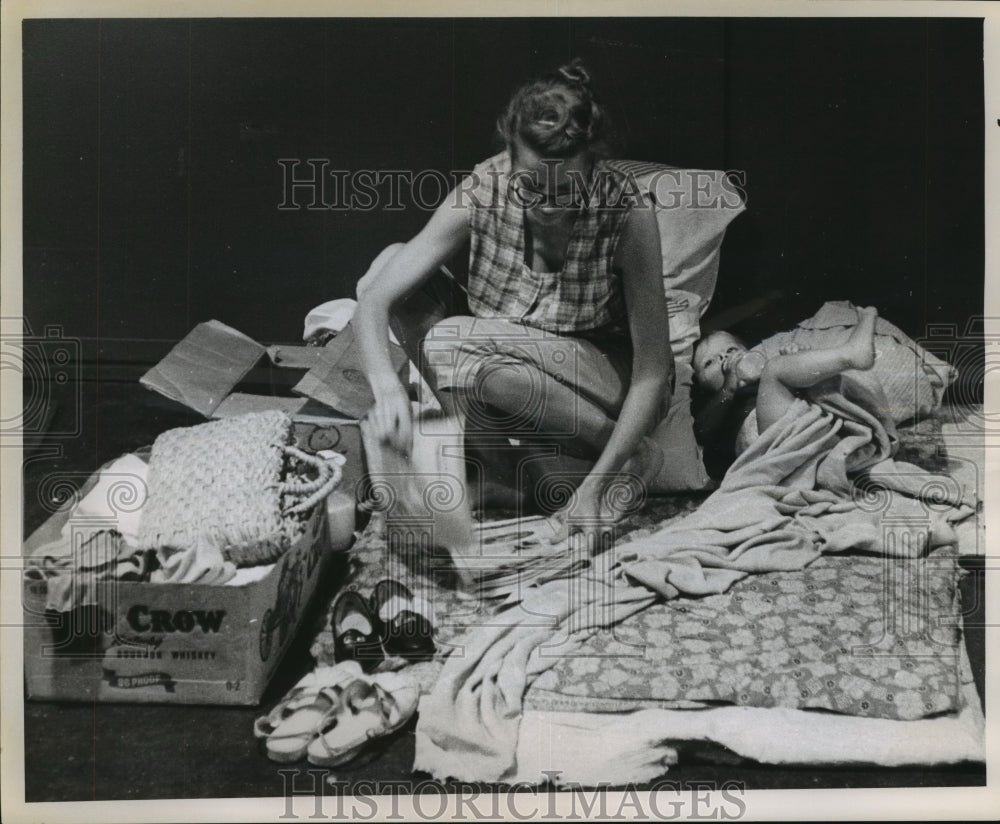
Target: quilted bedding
857,636
875,637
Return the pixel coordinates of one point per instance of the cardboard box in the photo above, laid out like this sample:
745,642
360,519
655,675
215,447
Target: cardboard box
196,643
323,389
170,643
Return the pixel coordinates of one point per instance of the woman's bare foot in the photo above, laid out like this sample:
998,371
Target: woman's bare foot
627,492
646,462
859,348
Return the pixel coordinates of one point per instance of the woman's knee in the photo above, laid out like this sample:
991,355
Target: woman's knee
446,356
377,265
464,356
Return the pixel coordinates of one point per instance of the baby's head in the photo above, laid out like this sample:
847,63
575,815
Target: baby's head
710,354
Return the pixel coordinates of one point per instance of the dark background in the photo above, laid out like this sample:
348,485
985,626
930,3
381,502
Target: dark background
152,182
151,193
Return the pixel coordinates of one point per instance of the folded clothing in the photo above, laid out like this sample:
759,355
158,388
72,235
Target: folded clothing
84,565
117,499
93,563
97,545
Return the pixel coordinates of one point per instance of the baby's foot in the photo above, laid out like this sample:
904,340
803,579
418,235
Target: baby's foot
859,348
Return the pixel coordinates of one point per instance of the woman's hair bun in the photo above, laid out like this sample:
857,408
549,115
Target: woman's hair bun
575,72
556,115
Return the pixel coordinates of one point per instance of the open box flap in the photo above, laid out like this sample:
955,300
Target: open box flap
338,379
203,368
298,409
295,357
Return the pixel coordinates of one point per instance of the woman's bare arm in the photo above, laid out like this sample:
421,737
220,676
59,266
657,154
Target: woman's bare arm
639,260
443,236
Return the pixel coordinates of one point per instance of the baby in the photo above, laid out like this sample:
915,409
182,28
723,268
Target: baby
738,383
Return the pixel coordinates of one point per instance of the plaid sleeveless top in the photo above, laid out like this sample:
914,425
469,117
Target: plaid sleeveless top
586,294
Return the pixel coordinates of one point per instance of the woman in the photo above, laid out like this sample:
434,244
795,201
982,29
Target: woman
566,341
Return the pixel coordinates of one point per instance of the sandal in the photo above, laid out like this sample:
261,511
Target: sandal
289,728
402,627
369,709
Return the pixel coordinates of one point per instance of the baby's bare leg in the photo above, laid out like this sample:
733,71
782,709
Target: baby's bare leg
784,373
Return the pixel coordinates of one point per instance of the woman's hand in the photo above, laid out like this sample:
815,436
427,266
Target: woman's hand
584,514
401,273
391,419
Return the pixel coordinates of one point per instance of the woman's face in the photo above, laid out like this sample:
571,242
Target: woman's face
548,188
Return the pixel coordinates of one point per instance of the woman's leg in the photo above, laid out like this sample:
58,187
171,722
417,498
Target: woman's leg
494,410
800,370
508,381
561,432
533,404
571,432
535,382
558,396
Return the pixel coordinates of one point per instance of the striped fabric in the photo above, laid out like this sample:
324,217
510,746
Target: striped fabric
636,169
587,293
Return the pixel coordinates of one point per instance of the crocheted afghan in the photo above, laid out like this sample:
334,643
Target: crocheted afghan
236,484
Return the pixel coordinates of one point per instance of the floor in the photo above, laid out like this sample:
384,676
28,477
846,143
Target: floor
76,752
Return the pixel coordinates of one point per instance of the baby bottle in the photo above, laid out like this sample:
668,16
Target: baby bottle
749,367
